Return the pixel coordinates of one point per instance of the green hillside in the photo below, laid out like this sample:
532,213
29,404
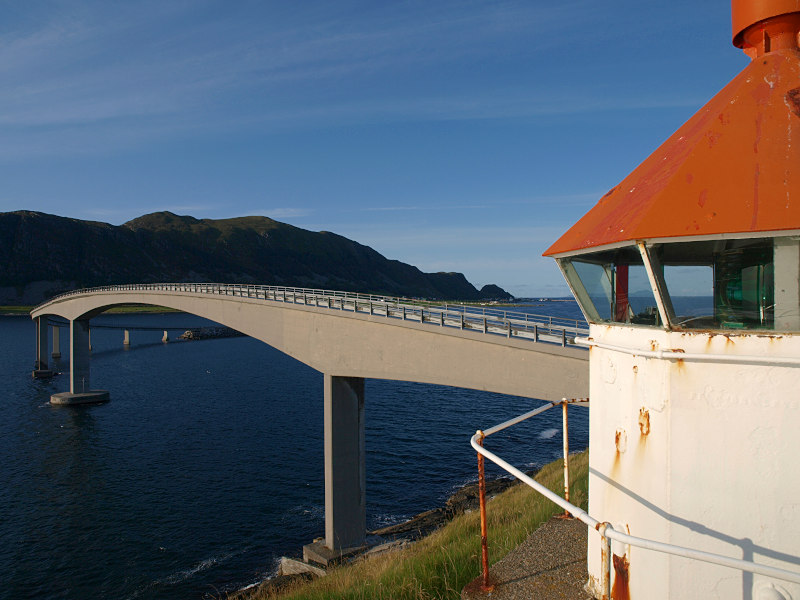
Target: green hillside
43,254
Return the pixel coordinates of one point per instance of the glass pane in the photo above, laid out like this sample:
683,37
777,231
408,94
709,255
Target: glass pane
596,279
691,289
744,289
642,307
617,286
720,284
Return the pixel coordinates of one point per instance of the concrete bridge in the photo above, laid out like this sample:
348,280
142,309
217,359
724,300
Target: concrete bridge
349,337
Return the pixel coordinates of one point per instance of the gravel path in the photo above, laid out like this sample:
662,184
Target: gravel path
549,565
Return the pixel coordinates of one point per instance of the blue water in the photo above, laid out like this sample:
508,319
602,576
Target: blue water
207,465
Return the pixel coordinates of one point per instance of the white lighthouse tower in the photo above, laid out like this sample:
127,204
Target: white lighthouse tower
689,274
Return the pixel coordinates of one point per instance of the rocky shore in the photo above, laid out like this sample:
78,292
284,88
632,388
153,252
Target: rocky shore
208,333
464,500
401,534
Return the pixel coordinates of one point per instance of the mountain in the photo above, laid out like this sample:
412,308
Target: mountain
41,255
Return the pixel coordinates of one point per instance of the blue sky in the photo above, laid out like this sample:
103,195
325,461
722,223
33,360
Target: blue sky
456,136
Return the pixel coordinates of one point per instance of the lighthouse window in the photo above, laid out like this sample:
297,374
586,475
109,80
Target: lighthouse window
613,287
720,284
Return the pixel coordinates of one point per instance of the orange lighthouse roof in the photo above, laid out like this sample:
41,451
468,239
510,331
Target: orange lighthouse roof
733,168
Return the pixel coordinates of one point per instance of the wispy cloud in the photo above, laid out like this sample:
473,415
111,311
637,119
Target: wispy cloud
122,214
88,78
285,213
426,207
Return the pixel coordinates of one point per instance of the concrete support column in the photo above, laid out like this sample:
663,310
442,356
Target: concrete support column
165,337
345,473
56,341
79,356
41,344
126,340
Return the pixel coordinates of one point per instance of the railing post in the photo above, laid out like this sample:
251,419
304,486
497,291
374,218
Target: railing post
535,331
485,585
485,329
605,558
563,337
565,435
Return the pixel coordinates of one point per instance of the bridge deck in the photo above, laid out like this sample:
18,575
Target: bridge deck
511,324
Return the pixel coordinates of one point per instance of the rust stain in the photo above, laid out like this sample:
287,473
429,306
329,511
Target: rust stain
712,138
701,201
644,421
793,100
635,369
756,173
621,441
621,589
679,364
760,92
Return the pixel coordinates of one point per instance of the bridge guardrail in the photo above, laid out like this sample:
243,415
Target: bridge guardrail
518,325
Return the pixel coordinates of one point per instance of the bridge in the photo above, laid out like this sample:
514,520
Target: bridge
349,337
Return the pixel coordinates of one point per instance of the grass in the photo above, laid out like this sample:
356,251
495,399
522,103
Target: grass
15,310
440,565
141,308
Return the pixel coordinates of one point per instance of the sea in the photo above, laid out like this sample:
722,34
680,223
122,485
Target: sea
207,465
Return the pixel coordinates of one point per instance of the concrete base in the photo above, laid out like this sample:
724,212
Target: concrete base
318,553
42,373
70,399
292,566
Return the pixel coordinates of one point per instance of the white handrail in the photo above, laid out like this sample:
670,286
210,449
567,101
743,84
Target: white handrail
677,353
606,530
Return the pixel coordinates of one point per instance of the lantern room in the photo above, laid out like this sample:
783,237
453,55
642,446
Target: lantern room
688,273
704,233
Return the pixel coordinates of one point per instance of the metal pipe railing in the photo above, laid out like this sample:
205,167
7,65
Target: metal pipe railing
607,532
679,354
524,326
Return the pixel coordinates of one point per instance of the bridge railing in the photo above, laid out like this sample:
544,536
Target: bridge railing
491,321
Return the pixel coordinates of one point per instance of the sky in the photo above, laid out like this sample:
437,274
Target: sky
453,135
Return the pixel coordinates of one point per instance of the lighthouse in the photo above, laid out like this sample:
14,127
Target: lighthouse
688,272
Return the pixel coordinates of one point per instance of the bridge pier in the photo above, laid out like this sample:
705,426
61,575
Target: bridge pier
345,471
79,347
40,368
126,339
56,341
80,391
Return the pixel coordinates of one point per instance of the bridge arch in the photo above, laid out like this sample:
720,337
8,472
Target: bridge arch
355,344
